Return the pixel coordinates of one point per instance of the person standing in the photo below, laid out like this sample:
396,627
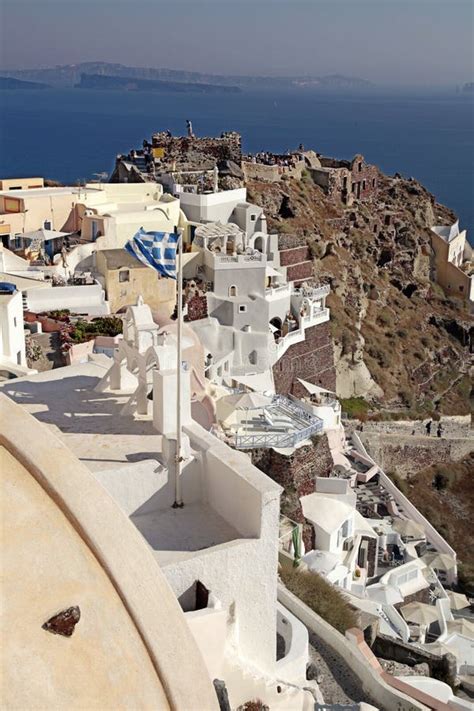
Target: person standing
428,428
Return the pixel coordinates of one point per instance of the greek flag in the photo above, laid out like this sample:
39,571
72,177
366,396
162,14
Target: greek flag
156,250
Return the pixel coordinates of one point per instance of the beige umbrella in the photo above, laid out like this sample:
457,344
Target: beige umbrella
441,648
439,561
408,528
227,406
457,601
420,613
461,626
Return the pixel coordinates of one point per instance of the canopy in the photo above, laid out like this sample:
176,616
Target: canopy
43,235
248,401
314,389
227,406
420,613
386,594
457,601
270,272
408,528
439,561
441,648
261,382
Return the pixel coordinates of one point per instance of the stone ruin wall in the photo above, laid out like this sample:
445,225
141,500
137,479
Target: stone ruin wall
311,360
272,173
411,453
185,149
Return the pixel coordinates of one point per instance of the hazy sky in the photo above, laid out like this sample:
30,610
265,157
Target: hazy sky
386,41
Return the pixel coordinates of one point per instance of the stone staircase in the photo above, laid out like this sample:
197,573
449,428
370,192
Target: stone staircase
244,684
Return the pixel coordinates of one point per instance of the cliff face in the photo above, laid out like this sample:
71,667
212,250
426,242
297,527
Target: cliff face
399,341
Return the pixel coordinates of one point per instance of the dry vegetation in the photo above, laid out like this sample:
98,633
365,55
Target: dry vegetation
410,334
322,597
444,494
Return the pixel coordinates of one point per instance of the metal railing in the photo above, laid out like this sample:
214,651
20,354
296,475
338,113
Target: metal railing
274,438
313,292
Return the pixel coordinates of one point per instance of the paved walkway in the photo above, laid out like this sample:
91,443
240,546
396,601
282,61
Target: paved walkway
334,676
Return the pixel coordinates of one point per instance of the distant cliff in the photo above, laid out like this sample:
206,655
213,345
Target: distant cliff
101,81
69,75
11,83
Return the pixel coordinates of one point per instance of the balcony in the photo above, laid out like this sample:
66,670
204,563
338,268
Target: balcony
283,424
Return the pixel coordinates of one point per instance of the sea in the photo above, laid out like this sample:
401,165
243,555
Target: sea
72,135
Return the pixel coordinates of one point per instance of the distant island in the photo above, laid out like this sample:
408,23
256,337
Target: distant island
70,75
102,81
11,83
468,87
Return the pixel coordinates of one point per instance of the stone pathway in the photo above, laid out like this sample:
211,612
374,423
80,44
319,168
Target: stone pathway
334,676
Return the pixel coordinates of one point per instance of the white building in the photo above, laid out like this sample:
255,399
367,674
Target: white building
12,335
453,264
219,552
254,314
341,534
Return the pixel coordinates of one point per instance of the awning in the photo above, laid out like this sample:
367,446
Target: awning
260,382
314,389
271,272
44,235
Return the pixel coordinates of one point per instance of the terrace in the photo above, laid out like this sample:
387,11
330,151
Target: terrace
281,424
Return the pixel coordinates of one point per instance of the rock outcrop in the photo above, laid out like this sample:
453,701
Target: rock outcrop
399,341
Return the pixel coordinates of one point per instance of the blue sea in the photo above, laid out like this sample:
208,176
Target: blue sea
71,134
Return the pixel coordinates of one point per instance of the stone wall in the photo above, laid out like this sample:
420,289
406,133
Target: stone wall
294,255
311,360
197,308
296,473
442,668
300,272
408,454
297,258
197,151
272,173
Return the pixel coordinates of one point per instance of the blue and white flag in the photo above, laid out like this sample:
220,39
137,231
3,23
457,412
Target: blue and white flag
157,250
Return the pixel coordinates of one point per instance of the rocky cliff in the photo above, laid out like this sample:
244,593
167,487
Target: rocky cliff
400,343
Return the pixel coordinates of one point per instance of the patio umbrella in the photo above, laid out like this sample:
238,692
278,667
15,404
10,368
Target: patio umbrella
386,594
441,648
456,600
408,528
420,613
462,626
227,406
248,401
439,561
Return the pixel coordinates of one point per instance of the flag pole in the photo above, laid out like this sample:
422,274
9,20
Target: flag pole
178,503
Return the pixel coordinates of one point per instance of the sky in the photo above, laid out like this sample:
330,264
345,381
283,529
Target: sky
397,42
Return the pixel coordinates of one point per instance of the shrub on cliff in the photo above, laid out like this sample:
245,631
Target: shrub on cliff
322,597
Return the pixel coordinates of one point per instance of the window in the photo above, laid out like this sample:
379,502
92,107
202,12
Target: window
374,182
232,291
242,308
359,167
353,187
253,357
363,184
47,225
124,275
253,217
14,321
